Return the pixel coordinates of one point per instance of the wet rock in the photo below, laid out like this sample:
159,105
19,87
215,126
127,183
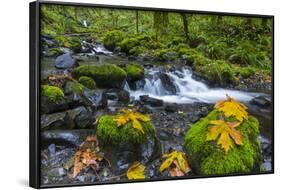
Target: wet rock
171,108
150,150
151,101
57,172
79,117
70,138
122,96
167,83
95,98
261,101
65,61
47,106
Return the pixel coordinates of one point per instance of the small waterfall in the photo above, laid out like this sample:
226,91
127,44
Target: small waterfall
188,90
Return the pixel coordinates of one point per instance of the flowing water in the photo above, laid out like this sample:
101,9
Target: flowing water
188,90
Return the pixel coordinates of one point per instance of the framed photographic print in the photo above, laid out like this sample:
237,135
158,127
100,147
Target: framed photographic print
129,94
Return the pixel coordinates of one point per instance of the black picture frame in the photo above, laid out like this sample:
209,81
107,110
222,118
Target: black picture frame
34,91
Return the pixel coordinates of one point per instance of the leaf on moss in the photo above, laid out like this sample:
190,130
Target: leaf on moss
225,132
136,171
176,163
129,115
231,107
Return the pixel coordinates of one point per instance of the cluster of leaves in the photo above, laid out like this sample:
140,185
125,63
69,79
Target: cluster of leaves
223,130
87,155
136,171
58,80
176,163
132,116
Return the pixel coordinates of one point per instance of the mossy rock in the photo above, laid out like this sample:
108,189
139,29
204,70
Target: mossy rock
208,158
73,43
128,44
109,133
87,82
165,54
105,76
217,72
134,72
73,87
53,93
55,52
112,38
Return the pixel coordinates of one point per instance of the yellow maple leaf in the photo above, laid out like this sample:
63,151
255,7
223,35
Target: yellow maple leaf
180,162
224,131
136,171
129,115
231,107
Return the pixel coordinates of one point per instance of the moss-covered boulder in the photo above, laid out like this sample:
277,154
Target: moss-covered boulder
53,93
105,76
208,158
73,87
87,82
109,132
73,43
134,72
112,38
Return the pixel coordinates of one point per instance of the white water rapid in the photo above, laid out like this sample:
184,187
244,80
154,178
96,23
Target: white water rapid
188,90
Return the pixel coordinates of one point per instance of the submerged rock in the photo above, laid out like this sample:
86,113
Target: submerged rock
65,61
167,83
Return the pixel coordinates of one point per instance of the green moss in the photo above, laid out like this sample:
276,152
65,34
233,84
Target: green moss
107,75
134,72
208,158
72,43
165,54
55,51
129,43
73,87
246,72
109,132
87,82
112,38
217,72
53,93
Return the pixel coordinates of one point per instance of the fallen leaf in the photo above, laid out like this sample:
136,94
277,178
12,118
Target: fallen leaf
231,107
224,131
134,117
136,171
179,161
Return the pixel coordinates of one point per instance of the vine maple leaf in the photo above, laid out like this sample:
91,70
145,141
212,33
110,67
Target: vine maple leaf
129,115
176,163
136,171
231,107
224,131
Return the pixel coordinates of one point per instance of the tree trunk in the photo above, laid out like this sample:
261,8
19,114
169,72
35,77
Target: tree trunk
137,22
185,26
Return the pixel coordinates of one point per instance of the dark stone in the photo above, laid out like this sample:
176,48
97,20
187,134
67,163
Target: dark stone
132,58
171,108
261,101
118,95
95,98
79,117
47,106
168,83
65,61
151,101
